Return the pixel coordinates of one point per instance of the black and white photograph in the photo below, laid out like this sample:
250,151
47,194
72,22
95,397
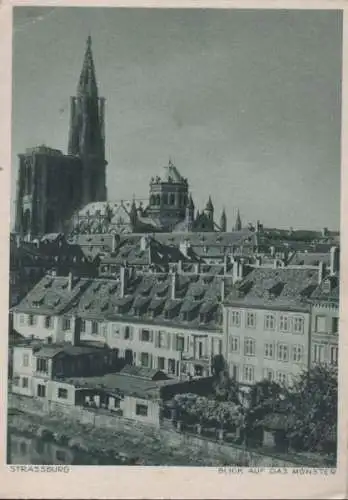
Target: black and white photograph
174,270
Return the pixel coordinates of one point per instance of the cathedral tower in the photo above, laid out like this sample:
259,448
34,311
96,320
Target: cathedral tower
87,131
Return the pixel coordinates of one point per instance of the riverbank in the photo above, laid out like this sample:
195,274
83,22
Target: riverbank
126,448
98,432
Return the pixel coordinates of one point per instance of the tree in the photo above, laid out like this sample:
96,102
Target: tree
313,405
225,388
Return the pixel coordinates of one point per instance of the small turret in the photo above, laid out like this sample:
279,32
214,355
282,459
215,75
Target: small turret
209,209
238,225
223,221
133,214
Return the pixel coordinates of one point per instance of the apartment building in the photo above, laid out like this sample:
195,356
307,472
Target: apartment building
267,324
279,321
325,322
166,321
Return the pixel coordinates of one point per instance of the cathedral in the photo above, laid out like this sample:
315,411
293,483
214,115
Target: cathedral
66,193
51,185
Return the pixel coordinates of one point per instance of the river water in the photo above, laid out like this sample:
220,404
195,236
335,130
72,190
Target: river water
30,450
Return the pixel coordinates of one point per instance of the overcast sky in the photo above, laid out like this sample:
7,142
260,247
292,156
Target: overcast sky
246,103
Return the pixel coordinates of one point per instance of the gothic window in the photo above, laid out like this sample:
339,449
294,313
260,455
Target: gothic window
28,179
26,221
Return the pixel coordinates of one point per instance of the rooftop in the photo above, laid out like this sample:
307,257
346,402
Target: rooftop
282,287
147,298
117,383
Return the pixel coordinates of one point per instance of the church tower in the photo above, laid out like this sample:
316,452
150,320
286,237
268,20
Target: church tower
87,131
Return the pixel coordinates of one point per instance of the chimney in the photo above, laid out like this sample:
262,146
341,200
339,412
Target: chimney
222,290
113,243
123,279
272,249
70,282
173,285
237,271
184,246
322,272
76,337
144,242
180,266
334,260
197,268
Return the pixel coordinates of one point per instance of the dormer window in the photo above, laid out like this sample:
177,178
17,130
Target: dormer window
327,286
48,284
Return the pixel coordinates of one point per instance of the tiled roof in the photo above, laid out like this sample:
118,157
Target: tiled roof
143,372
126,384
101,299
207,239
156,253
328,291
52,350
283,287
309,258
52,295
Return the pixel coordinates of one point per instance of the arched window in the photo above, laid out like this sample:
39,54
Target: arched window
172,199
158,200
152,200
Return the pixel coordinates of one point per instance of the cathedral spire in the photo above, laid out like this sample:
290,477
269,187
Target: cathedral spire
87,85
87,130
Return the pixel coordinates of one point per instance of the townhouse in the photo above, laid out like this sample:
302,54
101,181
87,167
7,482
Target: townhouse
166,321
279,321
325,322
267,325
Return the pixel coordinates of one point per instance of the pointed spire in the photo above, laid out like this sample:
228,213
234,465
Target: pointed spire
209,205
87,85
238,225
223,221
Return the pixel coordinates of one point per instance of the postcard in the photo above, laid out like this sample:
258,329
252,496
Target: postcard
172,233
